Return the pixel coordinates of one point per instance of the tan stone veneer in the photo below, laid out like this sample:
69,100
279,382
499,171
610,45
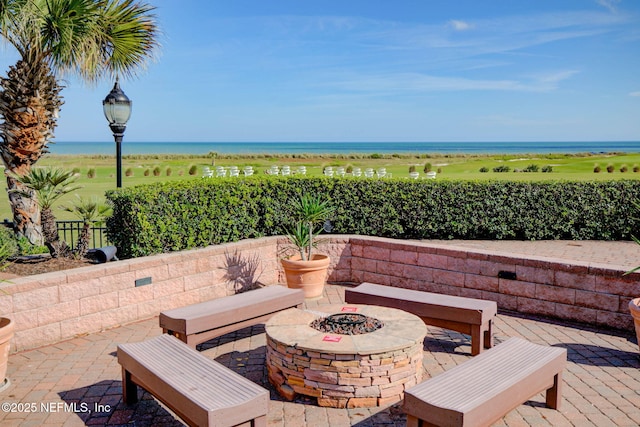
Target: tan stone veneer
345,371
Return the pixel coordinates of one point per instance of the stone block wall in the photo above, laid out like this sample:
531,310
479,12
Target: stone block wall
52,307
590,293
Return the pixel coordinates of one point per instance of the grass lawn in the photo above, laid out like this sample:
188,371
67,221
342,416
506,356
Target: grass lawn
171,168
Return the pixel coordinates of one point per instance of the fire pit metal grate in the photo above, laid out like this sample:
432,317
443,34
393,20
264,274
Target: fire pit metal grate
347,324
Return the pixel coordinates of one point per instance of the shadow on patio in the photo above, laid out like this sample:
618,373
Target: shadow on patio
78,381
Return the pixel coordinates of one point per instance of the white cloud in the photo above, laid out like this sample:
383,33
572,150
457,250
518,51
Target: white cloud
609,4
473,40
414,83
366,40
637,93
551,79
460,25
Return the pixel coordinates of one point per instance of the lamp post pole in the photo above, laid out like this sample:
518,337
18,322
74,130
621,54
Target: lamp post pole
118,135
117,110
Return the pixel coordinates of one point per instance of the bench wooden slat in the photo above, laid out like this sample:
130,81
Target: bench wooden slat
428,304
198,389
466,315
201,322
482,390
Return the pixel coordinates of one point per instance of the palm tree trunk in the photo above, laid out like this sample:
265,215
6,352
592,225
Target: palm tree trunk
57,247
26,212
29,105
83,240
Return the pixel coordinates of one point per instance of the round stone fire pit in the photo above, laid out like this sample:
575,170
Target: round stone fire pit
341,370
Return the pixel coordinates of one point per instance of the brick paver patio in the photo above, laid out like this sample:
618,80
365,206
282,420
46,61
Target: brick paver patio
77,382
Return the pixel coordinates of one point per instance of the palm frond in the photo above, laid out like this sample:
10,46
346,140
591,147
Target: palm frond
122,40
313,209
91,38
309,212
89,210
48,184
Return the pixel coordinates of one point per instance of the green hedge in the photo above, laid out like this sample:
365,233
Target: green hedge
174,216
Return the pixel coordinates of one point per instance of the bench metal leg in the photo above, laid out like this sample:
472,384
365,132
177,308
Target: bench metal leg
417,422
481,339
554,394
129,389
412,421
477,340
256,422
488,335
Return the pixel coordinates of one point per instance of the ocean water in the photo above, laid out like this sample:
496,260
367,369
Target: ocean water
108,148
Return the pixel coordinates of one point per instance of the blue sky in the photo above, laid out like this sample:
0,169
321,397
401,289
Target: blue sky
376,70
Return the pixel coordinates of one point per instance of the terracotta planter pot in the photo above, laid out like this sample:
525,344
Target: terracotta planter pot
634,308
310,276
6,333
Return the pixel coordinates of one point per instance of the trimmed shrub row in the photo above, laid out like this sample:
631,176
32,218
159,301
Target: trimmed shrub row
174,216
530,168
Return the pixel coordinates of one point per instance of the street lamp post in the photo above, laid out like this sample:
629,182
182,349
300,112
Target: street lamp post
117,110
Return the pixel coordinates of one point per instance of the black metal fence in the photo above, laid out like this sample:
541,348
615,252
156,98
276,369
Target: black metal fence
69,231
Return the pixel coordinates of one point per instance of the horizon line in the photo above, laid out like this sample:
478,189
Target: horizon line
354,142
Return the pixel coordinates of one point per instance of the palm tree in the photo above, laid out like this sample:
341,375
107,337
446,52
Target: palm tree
88,210
48,185
90,38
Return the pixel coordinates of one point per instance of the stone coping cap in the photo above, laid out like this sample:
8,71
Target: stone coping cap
401,329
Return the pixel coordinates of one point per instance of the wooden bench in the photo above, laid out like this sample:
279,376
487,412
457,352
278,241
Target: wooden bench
197,323
482,390
199,390
465,315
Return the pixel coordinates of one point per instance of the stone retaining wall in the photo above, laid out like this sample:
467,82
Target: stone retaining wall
596,294
51,307
55,306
